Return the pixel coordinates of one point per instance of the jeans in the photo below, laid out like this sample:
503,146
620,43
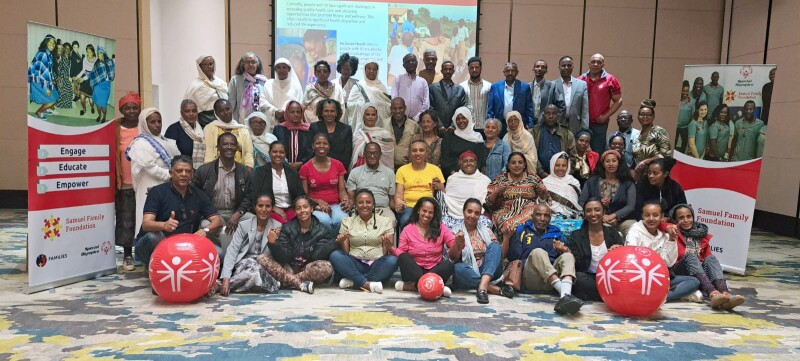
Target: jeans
402,219
682,286
333,220
464,277
599,137
359,272
147,242
585,286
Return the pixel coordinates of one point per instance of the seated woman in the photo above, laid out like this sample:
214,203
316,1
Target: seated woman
365,240
369,131
257,125
617,142
414,181
613,185
646,233
422,246
589,244
295,135
323,181
339,134
513,194
241,272
299,257
225,124
280,182
660,186
188,135
427,124
479,262
587,158
320,90
564,191
520,140
695,259
463,139
467,183
497,150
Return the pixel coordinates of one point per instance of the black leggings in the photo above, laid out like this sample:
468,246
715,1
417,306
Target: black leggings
585,287
410,271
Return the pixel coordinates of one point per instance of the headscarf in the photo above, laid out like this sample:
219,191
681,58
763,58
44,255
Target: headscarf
698,230
260,142
279,92
304,124
610,152
198,141
377,84
469,134
461,186
131,97
205,91
376,134
522,141
563,190
582,164
233,124
165,148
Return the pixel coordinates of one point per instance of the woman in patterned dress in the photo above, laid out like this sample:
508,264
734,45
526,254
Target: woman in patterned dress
514,194
653,141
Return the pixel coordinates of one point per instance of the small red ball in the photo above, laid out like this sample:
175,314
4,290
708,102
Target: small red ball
430,286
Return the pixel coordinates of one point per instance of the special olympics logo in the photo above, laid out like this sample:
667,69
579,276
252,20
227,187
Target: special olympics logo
106,247
730,96
41,260
746,71
52,228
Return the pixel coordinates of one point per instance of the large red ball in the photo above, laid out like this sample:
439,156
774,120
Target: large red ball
633,281
430,286
184,267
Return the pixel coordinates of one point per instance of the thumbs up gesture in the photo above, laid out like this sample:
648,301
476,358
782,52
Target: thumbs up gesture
171,224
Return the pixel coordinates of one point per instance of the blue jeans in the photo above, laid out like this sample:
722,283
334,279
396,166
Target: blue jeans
464,277
359,272
333,220
402,218
599,140
145,244
682,286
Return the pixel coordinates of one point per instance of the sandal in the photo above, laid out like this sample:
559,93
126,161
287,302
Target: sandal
482,296
734,301
718,299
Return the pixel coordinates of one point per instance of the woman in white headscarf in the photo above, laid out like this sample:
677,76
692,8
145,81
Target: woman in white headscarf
564,192
463,139
206,89
467,183
257,124
150,155
371,132
521,140
282,88
369,91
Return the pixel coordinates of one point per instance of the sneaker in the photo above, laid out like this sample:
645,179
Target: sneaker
696,297
345,283
568,305
307,287
127,263
507,291
374,287
446,292
399,285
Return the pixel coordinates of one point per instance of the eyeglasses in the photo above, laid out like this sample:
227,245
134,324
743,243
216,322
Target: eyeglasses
372,154
646,115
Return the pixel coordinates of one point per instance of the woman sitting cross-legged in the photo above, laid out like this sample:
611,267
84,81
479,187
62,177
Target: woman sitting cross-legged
299,257
365,242
589,244
479,262
241,272
422,246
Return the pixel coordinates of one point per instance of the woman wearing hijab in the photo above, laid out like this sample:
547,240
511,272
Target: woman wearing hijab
295,135
100,78
463,139
467,183
371,132
257,125
369,91
150,155
320,90
283,87
188,133
206,89
246,88
564,191
520,140
225,124
586,159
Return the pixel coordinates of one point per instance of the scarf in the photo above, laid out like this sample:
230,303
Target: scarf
460,187
260,142
233,124
205,91
294,129
165,149
251,95
467,254
198,141
563,190
279,92
468,133
522,141
376,134
698,230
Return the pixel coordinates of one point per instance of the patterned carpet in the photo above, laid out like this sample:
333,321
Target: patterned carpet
116,317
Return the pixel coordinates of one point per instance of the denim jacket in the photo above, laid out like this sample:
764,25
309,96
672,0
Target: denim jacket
497,159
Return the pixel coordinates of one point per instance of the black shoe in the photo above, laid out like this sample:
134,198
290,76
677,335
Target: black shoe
83,112
483,297
507,291
568,305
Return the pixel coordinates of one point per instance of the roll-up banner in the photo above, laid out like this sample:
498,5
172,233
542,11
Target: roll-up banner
71,161
722,129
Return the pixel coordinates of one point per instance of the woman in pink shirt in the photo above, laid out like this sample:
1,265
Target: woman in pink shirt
422,246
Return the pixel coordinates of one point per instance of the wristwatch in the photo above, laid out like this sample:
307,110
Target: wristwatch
205,229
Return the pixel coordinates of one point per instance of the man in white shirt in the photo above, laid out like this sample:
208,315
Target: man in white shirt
477,90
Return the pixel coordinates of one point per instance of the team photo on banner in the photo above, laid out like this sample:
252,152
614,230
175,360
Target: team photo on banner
722,131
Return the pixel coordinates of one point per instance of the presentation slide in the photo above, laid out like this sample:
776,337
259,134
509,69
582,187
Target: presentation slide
384,32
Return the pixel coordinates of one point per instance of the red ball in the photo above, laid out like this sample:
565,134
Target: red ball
184,267
430,286
632,280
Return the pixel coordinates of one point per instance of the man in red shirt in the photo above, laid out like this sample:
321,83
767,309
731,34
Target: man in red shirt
605,98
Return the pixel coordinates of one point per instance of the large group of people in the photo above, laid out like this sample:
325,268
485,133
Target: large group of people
321,185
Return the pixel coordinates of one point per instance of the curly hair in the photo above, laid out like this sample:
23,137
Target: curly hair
321,105
434,228
346,58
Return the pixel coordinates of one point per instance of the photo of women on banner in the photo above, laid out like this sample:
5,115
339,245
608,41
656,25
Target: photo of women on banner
722,129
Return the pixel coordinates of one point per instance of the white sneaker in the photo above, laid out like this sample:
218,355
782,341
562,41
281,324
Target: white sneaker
399,285
345,283
376,287
696,297
447,292
307,287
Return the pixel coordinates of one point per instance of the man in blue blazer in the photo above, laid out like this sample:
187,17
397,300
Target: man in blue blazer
575,109
510,94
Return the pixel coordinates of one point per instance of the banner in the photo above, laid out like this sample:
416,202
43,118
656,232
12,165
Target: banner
722,128
70,157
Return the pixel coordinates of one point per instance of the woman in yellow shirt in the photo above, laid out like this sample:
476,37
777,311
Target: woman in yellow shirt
415,180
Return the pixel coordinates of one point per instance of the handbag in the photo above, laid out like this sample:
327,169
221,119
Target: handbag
512,276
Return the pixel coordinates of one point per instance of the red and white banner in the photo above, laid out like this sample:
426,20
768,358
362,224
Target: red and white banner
723,191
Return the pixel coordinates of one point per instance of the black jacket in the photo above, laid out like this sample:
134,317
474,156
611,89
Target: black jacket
670,194
262,183
206,175
314,245
578,243
623,203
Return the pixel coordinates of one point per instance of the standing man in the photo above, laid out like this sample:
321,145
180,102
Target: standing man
746,133
605,98
412,88
510,94
766,97
573,97
429,59
404,132
446,96
552,137
541,90
714,92
625,124
477,91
